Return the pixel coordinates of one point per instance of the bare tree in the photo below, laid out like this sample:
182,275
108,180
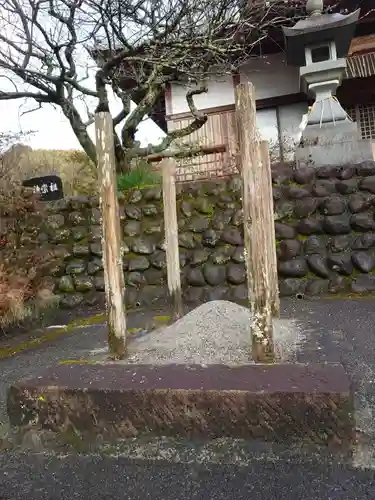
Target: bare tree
11,148
49,49
10,139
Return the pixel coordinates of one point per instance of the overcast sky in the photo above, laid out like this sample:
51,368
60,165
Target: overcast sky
52,129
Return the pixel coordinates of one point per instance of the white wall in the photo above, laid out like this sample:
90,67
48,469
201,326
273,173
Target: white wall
270,76
267,125
290,118
220,93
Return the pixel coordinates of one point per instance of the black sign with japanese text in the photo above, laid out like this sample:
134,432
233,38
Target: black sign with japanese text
49,187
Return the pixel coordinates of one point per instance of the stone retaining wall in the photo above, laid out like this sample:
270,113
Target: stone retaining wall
325,231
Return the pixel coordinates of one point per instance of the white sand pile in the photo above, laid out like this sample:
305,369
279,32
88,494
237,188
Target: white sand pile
215,332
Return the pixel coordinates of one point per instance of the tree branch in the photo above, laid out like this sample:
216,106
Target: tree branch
7,96
79,128
199,120
154,87
187,153
46,43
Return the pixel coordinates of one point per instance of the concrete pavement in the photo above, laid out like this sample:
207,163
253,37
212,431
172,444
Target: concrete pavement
102,477
73,344
336,330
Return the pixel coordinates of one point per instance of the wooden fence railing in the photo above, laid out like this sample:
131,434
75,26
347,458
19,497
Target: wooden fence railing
216,162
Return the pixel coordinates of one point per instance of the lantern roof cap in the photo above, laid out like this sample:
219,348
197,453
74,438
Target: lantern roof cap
316,29
318,23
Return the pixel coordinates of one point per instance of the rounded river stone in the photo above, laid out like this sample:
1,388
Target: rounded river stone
232,236
304,175
337,224
236,274
76,267
368,184
66,284
199,256
290,287
186,240
363,221
341,263
83,284
195,277
333,205
318,265
295,268
142,246
214,275
288,249
222,255
366,168
364,261
138,263
284,231
238,255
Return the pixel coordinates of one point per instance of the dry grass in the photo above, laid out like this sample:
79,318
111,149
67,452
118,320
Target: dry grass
21,297
78,174
23,288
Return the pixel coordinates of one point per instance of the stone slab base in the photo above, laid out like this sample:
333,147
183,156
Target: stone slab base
279,403
335,153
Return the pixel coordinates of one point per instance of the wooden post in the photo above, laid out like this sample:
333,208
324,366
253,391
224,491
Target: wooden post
168,167
270,223
257,191
111,238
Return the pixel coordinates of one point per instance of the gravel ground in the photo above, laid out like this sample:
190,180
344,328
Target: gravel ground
215,332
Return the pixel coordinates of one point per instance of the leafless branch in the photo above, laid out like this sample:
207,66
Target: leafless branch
39,106
69,52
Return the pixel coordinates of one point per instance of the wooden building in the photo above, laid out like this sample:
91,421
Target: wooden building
280,103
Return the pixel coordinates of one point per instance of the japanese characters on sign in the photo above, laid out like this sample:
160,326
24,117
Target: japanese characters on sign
48,187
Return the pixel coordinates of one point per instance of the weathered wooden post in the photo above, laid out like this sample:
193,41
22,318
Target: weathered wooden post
168,167
111,238
260,255
266,188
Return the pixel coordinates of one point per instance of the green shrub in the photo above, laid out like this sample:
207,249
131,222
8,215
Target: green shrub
141,176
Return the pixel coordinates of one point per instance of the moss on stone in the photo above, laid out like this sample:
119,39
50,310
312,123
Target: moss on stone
311,276
77,362
294,184
162,319
187,197
350,295
83,241
134,330
148,186
8,352
72,438
131,255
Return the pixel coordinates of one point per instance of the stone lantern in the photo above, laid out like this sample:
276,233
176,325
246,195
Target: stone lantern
319,45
